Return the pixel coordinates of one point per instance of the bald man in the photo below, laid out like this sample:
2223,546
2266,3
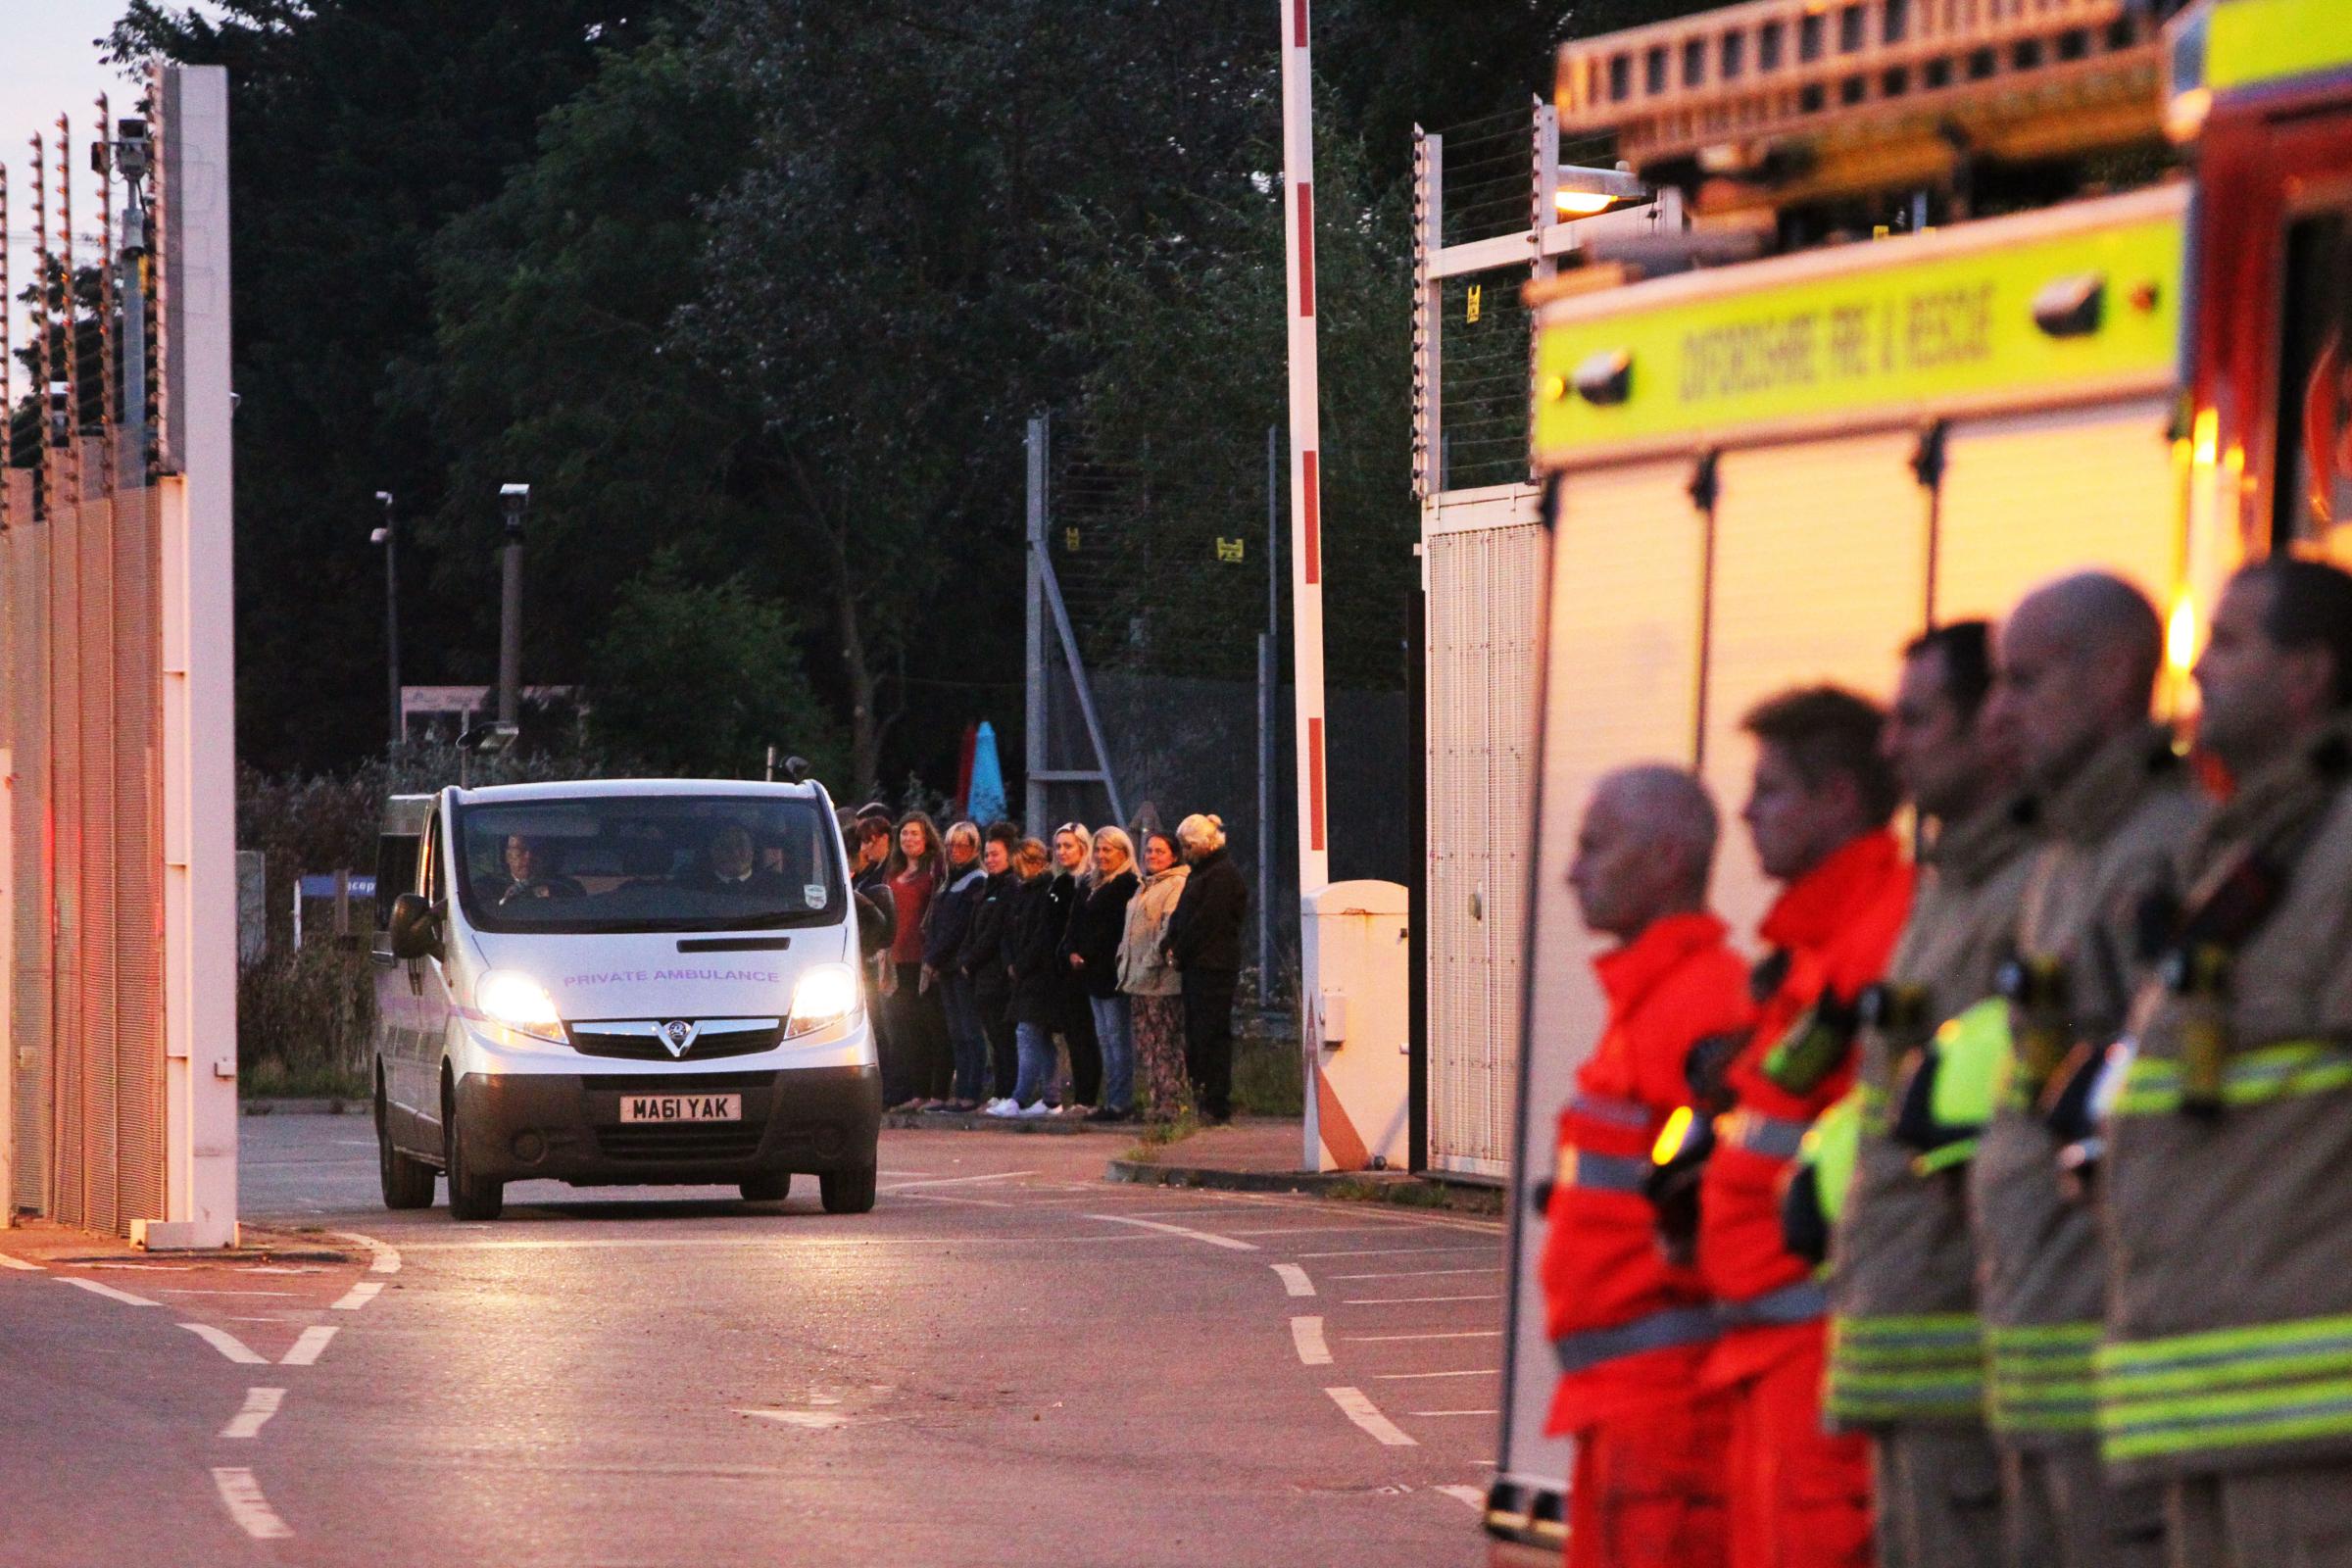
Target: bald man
2075,673
1631,1328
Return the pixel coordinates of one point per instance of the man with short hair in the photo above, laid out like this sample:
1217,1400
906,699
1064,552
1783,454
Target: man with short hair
2222,1373
1906,1356
1817,812
1630,1328
2075,671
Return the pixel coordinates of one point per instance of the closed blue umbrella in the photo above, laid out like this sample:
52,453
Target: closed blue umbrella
987,803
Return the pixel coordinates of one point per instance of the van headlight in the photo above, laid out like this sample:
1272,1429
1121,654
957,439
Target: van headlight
521,1004
825,995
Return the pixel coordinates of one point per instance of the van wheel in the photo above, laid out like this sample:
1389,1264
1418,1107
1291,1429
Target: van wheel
848,1191
769,1187
470,1197
408,1183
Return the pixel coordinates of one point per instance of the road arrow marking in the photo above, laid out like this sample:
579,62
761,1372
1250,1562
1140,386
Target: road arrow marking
226,1344
260,1406
246,1504
109,1292
1307,1334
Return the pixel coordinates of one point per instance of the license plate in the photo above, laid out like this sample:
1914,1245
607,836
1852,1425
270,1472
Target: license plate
681,1107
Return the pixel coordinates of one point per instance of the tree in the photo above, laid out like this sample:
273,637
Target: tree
700,680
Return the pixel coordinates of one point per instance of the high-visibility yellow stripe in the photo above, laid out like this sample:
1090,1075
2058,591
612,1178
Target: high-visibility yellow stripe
2257,43
2290,1070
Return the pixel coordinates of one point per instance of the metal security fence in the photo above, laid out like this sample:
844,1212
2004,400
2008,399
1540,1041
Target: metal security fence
102,705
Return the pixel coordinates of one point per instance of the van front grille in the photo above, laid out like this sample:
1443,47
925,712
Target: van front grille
680,1141
589,1039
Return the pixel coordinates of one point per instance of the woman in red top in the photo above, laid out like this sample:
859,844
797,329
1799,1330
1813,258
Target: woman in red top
914,1029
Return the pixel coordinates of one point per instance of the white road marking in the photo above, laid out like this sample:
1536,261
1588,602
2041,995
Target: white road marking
387,1258
357,1296
260,1406
191,1290
952,1197
307,1346
1454,1334
1393,1252
1307,1334
1178,1230
109,1292
765,1244
1364,1413
226,1344
1293,1279
1472,1495
816,1420
27,1264
961,1181
246,1504
1474,1372
1316,1230
1456,1412
1411,1300
1419,1273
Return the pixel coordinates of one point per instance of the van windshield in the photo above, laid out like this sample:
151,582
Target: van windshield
654,862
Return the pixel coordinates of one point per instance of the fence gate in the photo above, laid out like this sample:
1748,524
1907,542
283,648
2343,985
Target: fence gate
119,1023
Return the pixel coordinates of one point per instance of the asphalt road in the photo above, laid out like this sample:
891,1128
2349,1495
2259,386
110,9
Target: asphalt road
1008,1361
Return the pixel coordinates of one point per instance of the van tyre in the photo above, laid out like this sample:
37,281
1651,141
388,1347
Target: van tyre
769,1187
848,1191
470,1197
408,1182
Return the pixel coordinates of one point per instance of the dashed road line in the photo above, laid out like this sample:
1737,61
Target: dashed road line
1419,1273
1177,1229
1365,1414
1293,1279
260,1406
24,1263
814,1420
1473,1372
359,1295
1306,1336
307,1346
1413,1300
1393,1252
386,1259
1448,1334
108,1291
1455,1413
1318,1229
1472,1495
227,1345
959,1181
246,1504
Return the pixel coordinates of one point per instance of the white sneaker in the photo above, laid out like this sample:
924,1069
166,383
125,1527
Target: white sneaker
1001,1107
1041,1109
1076,1110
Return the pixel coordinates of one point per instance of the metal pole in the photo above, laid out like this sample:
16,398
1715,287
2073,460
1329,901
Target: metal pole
509,618
1033,726
399,728
1306,499
1266,721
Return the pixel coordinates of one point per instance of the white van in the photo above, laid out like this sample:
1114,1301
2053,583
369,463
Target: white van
621,982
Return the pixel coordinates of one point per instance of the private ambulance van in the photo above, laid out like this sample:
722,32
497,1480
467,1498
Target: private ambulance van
621,982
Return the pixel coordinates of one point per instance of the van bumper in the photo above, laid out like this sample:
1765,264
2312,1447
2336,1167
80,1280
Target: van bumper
567,1127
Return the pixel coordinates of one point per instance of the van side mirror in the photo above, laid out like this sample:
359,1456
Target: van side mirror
415,930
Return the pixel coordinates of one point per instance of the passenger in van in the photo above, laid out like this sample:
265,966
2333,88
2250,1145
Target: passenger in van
730,867
531,872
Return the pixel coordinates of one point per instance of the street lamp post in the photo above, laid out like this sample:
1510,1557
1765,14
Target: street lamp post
389,537
515,499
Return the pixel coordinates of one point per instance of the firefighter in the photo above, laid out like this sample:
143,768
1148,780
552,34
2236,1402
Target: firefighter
1817,812
2076,669
1631,1328
1906,1359
2225,1369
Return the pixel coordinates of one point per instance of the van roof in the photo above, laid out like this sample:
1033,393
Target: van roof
589,788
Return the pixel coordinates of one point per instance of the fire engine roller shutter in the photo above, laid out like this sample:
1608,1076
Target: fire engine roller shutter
1820,576
2029,497
1622,687
1480,719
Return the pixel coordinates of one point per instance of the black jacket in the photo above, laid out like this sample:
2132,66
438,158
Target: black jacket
1097,923
877,932
1033,941
984,954
1205,931
950,917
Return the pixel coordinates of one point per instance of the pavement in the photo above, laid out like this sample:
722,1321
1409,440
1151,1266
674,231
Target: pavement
1010,1360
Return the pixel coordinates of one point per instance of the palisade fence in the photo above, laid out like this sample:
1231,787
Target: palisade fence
1162,588
99,867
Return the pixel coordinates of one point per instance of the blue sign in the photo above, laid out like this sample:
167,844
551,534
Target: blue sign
324,887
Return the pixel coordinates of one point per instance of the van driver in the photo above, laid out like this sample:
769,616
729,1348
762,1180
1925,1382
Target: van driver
531,872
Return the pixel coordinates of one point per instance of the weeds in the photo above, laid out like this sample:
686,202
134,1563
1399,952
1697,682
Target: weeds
305,1022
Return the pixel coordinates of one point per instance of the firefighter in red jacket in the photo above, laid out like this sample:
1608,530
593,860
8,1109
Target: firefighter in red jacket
1817,812
1631,1328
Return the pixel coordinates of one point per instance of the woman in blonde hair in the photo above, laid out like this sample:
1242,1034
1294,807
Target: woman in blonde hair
1154,991
1034,943
1098,922
1204,943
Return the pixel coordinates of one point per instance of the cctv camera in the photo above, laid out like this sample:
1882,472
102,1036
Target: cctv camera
377,537
383,498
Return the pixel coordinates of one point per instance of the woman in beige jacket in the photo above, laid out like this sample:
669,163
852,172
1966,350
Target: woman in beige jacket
1145,975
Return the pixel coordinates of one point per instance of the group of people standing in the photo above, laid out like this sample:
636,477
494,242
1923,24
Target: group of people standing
994,956
1999,1215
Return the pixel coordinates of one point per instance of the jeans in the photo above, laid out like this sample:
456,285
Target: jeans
1114,1028
1038,1062
966,1035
